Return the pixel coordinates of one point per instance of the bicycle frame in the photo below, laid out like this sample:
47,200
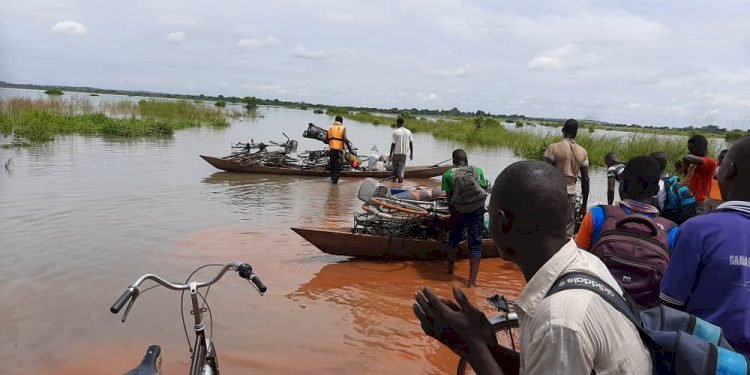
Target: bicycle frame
203,349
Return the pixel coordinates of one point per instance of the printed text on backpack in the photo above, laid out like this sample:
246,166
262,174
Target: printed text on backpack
679,343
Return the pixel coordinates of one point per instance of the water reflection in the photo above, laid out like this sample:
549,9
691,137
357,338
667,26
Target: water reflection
83,216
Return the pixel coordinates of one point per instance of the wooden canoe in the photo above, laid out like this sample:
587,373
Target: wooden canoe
234,166
341,241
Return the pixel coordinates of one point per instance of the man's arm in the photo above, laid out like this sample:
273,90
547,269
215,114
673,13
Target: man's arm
411,150
549,157
393,147
585,185
447,183
461,327
483,182
610,190
683,269
692,159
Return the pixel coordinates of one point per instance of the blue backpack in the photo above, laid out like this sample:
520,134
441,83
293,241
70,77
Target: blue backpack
680,203
679,343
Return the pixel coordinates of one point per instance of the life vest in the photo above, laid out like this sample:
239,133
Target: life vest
715,192
336,136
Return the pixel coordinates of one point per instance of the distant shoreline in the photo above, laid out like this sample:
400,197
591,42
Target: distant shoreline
708,130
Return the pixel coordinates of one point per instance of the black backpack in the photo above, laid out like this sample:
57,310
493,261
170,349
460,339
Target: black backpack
468,195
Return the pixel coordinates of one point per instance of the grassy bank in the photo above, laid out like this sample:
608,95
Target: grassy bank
32,121
529,145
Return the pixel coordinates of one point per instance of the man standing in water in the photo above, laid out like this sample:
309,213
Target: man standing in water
401,139
572,161
700,170
466,188
337,142
709,272
570,332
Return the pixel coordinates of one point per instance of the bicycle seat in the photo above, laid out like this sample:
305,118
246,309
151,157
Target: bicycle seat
151,363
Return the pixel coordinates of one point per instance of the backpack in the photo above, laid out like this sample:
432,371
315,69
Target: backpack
635,249
468,195
679,343
680,203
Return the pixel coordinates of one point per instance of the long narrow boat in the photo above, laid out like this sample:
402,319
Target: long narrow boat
231,165
341,241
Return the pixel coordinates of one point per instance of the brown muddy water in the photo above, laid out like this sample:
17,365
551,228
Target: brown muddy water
83,217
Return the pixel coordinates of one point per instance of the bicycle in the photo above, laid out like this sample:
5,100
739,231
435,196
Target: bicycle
204,359
506,322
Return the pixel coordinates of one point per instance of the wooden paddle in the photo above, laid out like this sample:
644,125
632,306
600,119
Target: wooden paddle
444,161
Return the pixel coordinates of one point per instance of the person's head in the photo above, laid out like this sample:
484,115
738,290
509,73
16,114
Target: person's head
640,179
698,145
460,157
611,159
734,174
660,158
518,222
722,155
400,122
339,119
570,128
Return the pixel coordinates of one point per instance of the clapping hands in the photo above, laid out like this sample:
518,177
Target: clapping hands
459,326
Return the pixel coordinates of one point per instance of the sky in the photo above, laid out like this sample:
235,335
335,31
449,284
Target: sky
651,62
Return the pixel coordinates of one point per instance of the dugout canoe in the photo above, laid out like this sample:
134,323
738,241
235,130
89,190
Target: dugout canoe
341,241
230,165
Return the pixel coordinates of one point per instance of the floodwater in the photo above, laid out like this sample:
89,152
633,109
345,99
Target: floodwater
83,217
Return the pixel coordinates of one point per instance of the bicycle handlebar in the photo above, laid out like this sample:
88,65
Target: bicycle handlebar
124,298
246,272
131,293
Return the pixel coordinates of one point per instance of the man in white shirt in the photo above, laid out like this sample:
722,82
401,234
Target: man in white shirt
401,140
661,196
570,332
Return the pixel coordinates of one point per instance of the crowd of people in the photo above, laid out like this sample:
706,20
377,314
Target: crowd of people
681,241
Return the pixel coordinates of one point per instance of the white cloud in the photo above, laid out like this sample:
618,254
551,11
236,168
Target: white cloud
267,41
546,63
588,26
320,54
458,72
70,27
567,57
429,97
176,37
633,105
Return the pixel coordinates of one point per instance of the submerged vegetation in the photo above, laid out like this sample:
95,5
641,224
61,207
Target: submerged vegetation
484,131
54,92
31,121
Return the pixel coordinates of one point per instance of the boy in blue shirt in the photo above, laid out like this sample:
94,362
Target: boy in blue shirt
709,273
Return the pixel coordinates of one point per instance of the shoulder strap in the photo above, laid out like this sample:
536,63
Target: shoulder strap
579,280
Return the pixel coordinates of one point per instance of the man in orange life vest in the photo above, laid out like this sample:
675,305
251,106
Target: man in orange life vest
337,142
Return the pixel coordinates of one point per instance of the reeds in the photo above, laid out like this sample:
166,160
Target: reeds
40,120
531,145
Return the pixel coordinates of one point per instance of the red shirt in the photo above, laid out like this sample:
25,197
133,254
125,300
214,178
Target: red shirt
699,178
